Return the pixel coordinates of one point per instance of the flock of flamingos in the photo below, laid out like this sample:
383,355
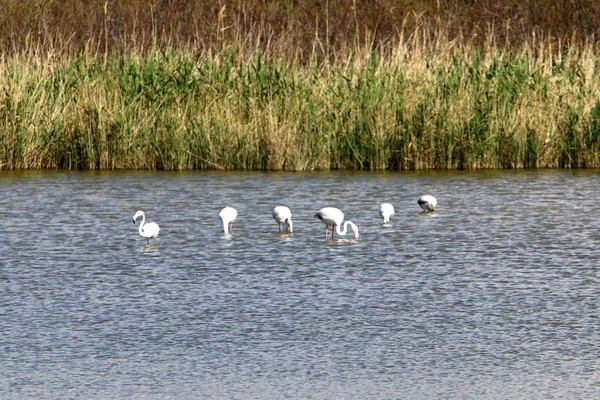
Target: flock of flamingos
332,218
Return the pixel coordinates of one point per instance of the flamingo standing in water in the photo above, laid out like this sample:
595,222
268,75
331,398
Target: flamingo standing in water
147,230
334,217
283,215
427,203
228,216
386,211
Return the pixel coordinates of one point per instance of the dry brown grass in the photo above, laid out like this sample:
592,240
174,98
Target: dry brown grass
296,29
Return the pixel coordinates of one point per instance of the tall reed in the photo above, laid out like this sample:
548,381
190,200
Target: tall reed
411,103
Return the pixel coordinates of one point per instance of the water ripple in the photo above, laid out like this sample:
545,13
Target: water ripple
493,296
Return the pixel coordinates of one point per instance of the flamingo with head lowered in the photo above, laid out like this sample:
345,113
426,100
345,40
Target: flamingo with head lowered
334,218
147,230
386,211
427,203
228,216
283,216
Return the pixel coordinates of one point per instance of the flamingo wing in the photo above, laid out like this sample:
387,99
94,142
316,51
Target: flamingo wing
330,216
427,202
150,230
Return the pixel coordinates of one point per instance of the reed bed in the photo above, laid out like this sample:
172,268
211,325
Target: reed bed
424,100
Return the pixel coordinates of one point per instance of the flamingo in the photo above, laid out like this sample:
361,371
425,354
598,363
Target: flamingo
334,217
427,203
147,230
283,215
386,211
228,216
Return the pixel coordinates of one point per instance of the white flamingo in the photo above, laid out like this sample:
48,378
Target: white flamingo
147,230
386,211
228,216
334,217
283,215
427,203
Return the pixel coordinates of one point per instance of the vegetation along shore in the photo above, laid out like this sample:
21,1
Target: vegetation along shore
301,85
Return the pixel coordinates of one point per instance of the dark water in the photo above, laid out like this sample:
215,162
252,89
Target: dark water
494,296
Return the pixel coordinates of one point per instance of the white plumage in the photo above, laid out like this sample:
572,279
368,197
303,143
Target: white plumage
427,203
334,217
386,211
283,216
228,216
147,230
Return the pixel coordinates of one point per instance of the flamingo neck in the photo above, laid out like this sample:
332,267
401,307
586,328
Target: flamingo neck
141,228
288,225
343,231
225,226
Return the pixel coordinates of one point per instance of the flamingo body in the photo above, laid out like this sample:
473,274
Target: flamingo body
427,203
147,230
334,218
228,216
283,216
386,211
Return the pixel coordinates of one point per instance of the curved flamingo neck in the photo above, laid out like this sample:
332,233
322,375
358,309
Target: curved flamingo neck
141,228
343,231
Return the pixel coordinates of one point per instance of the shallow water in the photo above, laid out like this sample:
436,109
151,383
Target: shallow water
493,296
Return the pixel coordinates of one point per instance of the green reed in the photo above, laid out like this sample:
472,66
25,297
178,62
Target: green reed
418,105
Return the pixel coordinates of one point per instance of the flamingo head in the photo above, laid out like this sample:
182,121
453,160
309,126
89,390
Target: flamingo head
137,215
290,225
355,231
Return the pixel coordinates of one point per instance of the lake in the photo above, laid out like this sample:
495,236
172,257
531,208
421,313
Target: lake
495,295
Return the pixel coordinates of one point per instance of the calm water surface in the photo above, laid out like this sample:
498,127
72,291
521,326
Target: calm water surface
493,296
